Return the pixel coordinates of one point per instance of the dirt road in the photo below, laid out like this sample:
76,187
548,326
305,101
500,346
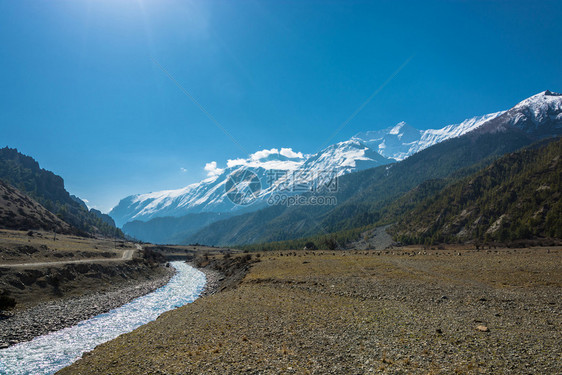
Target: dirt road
127,255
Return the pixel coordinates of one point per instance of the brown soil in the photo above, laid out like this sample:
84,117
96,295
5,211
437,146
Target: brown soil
420,312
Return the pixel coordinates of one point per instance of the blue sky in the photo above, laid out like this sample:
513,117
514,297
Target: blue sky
82,95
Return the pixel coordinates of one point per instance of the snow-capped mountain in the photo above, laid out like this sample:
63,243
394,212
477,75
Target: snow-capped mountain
402,140
277,171
286,172
321,168
209,195
539,116
543,107
283,170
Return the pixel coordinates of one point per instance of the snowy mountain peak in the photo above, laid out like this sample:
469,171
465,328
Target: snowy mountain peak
540,104
210,195
397,128
344,157
539,116
402,140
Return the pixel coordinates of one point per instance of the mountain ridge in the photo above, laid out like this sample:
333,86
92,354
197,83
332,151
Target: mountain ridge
47,189
409,140
370,191
360,152
515,198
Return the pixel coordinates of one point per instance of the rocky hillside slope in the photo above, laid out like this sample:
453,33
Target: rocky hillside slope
20,212
518,197
25,174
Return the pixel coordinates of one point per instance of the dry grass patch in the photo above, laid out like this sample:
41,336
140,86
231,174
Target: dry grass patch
37,246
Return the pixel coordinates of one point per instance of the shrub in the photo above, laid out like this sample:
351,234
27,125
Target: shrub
6,301
310,246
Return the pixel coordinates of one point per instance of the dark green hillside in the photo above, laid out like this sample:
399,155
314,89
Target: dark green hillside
164,230
25,174
515,198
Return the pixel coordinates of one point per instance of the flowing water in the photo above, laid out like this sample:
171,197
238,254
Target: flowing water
49,353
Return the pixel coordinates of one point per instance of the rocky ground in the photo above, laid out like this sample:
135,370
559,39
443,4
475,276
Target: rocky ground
213,280
373,239
25,324
55,282
56,312
395,312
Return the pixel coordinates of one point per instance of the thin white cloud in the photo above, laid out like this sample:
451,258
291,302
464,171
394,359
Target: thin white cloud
288,152
235,162
183,169
264,154
265,160
212,169
87,202
285,151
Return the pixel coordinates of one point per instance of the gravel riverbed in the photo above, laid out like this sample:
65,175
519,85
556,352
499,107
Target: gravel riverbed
45,317
391,312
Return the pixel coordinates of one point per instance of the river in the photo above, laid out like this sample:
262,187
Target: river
49,353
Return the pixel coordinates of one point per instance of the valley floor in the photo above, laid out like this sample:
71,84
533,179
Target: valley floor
396,311
58,283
